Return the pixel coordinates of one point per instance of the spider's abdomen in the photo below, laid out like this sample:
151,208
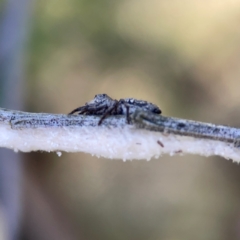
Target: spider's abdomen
135,104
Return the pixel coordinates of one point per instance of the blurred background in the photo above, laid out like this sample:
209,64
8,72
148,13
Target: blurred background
183,55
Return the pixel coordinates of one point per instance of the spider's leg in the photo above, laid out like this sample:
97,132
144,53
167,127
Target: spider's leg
128,118
90,110
127,115
79,109
93,110
108,112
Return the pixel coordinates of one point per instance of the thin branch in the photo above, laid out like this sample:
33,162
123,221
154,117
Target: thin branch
189,128
149,135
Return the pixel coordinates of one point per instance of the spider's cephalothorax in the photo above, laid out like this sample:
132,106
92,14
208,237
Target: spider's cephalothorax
103,105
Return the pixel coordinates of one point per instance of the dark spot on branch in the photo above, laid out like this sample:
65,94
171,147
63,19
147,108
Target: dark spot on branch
179,151
181,125
160,143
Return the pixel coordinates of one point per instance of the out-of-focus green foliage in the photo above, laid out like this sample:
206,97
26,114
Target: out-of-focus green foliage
60,23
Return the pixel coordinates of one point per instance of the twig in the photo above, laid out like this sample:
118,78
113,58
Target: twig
149,135
189,128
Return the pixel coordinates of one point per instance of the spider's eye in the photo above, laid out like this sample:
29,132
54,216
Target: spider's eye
104,95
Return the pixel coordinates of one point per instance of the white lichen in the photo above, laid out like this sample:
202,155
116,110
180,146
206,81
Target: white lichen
114,139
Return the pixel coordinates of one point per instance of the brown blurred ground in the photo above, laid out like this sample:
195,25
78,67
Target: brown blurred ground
182,55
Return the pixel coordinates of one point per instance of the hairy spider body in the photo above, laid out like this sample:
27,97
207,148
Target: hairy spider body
103,105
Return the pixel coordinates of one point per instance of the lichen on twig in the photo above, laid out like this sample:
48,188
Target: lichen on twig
148,135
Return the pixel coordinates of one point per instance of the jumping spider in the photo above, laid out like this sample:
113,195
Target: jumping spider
103,105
